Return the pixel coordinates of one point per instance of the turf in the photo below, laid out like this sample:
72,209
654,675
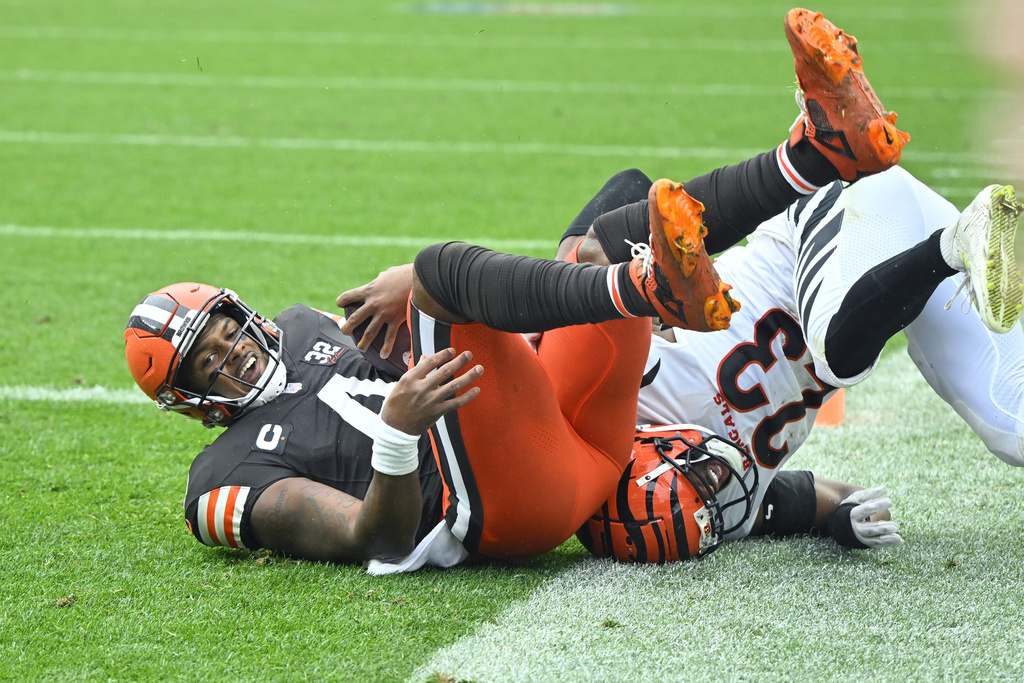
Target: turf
293,150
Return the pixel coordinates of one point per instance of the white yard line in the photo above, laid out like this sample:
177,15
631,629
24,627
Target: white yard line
473,41
413,146
74,394
210,80
372,146
369,241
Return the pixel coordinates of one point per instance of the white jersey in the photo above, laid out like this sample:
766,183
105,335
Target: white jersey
754,383
760,382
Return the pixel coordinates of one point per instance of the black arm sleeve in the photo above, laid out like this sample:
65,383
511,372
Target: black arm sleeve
790,504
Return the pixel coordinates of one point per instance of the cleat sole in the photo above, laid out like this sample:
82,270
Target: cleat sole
676,276
682,225
1004,281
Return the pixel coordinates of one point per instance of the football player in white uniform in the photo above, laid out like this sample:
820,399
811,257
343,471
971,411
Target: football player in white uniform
824,285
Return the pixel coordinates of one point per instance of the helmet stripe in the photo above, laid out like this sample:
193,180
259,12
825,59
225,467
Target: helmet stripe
156,314
654,527
678,519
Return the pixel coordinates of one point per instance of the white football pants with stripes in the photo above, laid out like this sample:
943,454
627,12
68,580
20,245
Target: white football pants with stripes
977,372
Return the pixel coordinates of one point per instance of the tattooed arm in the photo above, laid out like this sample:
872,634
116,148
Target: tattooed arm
316,522
310,520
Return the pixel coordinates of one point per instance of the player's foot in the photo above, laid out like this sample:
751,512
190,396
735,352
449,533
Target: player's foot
983,242
675,275
840,113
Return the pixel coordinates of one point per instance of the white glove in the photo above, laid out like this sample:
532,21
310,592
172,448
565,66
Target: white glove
873,534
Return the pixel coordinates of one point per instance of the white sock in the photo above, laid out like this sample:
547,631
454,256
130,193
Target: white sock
950,254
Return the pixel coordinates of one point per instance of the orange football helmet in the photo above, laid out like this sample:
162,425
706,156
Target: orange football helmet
162,329
665,507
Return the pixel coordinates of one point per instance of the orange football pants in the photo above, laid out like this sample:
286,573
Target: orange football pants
538,451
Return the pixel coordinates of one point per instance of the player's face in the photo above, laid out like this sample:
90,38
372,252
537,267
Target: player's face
714,473
223,346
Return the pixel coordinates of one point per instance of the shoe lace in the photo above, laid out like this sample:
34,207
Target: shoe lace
969,299
641,250
800,102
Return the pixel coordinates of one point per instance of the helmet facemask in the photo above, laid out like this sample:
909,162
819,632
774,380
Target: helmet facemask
739,466
181,393
664,507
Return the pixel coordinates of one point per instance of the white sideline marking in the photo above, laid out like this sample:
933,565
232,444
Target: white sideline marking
75,394
207,80
42,231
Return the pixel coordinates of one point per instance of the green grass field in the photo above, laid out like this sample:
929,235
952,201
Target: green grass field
292,151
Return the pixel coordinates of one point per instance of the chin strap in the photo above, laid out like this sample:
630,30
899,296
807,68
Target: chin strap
272,385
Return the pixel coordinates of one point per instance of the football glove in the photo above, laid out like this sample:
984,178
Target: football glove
865,503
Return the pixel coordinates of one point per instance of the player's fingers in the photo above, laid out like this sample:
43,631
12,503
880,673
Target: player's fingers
462,399
865,510
893,541
427,364
370,333
351,296
462,381
878,529
389,341
451,367
354,319
874,492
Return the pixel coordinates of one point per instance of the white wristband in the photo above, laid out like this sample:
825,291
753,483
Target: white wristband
394,452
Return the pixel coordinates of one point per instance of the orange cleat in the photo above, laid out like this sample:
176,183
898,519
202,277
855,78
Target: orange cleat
675,274
840,113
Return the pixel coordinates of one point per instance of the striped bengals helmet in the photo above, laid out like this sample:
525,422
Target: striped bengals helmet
162,329
665,508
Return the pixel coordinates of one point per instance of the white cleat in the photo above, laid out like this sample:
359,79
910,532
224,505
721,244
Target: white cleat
984,239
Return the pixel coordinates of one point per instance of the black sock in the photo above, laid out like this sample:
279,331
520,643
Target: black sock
740,197
811,163
736,200
518,293
882,302
618,230
625,187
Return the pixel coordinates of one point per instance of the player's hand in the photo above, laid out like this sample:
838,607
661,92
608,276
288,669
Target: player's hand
382,303
428,391
868,502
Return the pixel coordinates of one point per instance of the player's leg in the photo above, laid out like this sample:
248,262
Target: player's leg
964,353
555,437
840,133
523,470
867,264
976,371
672,278
850,308
894,293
